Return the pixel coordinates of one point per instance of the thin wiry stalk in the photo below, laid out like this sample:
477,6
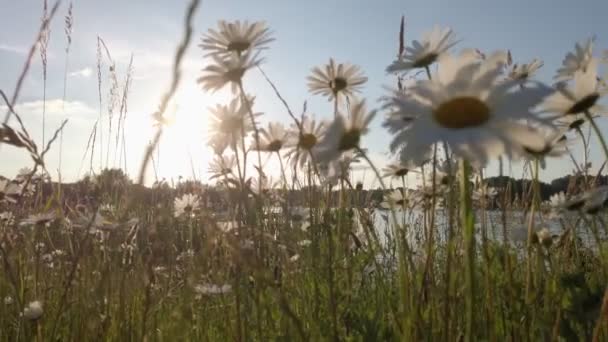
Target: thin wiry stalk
598,133
112,97
176,77
256,131
278,94
44,44
99,125
122,114
28,60
69,25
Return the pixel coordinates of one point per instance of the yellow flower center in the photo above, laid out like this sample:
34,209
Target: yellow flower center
307,141
274,146
425,60
462,112
538,152
402,172
576,123
349,140
238,46
235,75
230,125
338,84
584,104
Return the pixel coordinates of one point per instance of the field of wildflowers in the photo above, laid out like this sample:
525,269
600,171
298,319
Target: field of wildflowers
308,255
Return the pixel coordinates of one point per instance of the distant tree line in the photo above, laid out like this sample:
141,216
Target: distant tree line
115,183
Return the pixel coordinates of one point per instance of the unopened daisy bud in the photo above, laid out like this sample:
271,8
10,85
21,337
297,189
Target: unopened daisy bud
544,237
33,311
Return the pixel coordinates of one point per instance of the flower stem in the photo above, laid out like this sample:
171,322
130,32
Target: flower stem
428,72
468,224
255,131
598,133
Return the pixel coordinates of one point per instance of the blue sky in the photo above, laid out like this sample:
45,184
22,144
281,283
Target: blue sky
307,33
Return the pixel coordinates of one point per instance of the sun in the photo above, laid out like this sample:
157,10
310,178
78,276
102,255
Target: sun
183,150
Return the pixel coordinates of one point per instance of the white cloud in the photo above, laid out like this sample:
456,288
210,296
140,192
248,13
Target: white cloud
82,73
148,62
13,49
53,107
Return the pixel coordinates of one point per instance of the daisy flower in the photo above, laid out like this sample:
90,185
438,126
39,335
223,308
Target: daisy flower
426,52
212,289
221,166
553,146
397,170
596,200
590,201
273,138
39,219
557,200
9,191
576,61
523,72
557,204
227,226
236,37
227,70
466,106
583,98
571,122
299,216
6,218
301,142
230,123
33,311
484,192
218,145
264,185
397,198
338,169
344,134
186,204
336,80
304,243
24,173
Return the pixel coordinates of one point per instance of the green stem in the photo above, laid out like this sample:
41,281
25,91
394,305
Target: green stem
428,72
255,131
405,257
598,133
468,223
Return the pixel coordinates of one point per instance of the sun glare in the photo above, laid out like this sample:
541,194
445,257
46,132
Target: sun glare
184,144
